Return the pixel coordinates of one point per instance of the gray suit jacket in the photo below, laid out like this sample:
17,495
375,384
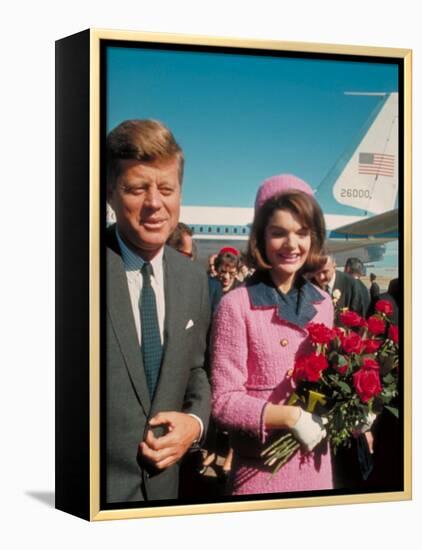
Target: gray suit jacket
352,295
182,386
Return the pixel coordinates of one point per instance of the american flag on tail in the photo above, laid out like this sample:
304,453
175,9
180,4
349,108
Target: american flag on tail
377,164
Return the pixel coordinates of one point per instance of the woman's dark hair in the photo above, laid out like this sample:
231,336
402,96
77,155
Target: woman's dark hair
305,208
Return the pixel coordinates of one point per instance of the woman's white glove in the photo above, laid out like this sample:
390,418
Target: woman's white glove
309,429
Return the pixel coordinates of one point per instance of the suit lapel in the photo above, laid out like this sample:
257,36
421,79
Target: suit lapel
120,310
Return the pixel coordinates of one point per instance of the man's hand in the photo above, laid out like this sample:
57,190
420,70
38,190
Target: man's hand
165,451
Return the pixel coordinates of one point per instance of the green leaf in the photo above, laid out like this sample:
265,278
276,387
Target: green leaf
341,361
387,364
393,410
345,388
388,379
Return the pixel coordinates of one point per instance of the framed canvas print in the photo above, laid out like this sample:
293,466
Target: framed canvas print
233,276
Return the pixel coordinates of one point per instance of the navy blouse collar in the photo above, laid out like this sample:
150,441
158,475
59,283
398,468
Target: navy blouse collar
295,307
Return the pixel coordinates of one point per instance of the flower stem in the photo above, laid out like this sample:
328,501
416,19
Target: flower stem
293,451
276,443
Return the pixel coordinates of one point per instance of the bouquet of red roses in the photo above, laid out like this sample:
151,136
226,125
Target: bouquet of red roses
351,375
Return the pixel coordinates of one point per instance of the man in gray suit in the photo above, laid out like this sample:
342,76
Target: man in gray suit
157,392
354,267
332,280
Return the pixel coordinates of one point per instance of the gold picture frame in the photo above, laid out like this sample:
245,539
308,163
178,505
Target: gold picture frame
80,136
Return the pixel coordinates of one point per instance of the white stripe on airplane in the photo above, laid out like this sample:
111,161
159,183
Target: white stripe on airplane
227,217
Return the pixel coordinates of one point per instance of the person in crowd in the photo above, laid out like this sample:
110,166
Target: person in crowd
227,265
157,391
215,282
259,329
182,240
393,296
244,271
211,267
387,475
374,289
355,268
341,286
350,465
394,291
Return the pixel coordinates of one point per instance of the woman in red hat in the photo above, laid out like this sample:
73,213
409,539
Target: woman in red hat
258,331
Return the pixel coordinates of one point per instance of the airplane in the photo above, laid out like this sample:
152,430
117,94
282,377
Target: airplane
359,196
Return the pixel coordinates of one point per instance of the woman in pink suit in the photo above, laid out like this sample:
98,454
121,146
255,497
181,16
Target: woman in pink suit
259,330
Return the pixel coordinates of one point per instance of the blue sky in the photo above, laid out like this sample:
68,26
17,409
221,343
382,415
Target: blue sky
242,118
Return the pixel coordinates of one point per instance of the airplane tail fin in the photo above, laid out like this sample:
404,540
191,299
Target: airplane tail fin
366,176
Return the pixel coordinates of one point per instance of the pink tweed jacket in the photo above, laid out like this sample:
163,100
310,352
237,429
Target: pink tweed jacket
253,349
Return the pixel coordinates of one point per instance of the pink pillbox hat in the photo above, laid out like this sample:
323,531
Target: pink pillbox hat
280,184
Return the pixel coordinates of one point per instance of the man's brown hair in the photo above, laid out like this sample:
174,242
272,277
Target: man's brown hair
309,214
143,140
176,238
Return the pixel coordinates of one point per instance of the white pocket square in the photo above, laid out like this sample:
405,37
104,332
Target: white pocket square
189,325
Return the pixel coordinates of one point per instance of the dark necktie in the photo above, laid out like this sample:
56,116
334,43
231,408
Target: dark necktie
152,350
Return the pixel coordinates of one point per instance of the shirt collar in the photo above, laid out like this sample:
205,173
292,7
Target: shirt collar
295,307
134,262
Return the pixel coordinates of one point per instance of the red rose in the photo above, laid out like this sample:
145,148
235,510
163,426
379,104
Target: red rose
376,325
367,384
370,364
352,343
393,333
338,332
342,369
319,333
309,367
384,306
371,346
350,319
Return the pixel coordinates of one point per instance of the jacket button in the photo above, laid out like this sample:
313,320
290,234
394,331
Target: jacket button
284,342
